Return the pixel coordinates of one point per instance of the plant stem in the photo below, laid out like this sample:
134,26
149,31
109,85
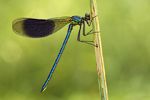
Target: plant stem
98,52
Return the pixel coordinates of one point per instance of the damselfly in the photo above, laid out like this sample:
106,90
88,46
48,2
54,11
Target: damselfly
43,27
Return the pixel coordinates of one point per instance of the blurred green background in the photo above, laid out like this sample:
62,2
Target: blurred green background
25,62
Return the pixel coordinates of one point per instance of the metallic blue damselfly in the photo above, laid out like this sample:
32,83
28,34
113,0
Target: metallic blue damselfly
43,27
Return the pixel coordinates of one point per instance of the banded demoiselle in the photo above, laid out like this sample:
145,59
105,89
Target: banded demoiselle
43,27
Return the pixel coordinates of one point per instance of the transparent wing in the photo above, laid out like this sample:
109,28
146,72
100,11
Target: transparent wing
60,22
39,27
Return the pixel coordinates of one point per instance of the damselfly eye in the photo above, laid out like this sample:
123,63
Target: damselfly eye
87,16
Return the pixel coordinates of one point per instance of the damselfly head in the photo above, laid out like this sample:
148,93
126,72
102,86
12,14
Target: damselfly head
87,16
